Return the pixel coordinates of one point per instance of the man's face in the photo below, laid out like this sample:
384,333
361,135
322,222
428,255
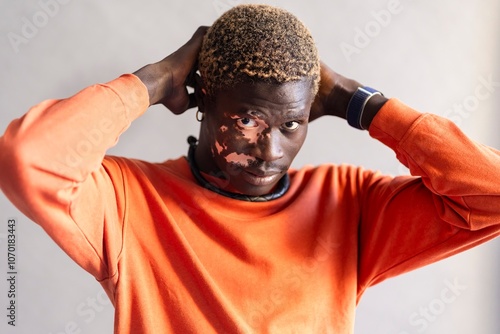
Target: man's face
252,132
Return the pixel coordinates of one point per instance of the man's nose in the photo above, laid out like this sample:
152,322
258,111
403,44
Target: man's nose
269,146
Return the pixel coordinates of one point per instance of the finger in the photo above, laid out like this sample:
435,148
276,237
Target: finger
187,57
193,46
200,32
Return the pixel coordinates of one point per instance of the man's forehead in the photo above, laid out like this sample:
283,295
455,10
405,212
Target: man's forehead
293,94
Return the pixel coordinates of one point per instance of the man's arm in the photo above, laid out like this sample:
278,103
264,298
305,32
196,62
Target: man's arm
52,157
450,204
51,166
167,80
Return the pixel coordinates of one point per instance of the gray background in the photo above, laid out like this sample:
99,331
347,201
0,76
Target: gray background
433,55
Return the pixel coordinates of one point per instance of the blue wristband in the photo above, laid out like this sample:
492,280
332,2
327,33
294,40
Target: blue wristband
357,104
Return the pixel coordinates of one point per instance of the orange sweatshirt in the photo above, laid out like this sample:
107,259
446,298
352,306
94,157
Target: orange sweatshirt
177,258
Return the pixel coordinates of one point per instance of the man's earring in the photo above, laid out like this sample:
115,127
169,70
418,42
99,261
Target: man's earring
200,116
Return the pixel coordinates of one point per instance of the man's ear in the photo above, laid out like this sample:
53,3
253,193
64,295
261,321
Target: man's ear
200,93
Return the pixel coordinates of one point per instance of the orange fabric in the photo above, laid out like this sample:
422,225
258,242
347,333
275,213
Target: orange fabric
177,258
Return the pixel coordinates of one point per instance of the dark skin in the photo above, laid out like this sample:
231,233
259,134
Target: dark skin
252,132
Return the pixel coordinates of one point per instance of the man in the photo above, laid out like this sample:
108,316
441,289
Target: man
229,239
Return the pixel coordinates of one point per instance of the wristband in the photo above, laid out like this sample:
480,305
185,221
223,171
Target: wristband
357,104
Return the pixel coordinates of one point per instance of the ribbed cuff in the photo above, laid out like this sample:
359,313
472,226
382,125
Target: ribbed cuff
133,94
392,122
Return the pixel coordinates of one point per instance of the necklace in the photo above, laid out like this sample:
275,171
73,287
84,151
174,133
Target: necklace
281,187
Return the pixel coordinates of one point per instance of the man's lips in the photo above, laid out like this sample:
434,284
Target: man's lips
259,177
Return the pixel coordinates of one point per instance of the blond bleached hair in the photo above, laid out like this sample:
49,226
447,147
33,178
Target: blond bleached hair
257,43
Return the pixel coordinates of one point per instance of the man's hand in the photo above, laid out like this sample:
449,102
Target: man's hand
335,92
168,79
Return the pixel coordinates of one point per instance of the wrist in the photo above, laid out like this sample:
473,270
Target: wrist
342,92
335,92
372,107
155,79
363,106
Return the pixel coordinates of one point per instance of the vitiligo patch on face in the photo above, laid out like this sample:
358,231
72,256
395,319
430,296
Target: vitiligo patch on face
218,147
243,160
252,136
253,133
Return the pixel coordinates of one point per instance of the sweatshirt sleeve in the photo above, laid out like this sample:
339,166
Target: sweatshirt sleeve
52,169
449,204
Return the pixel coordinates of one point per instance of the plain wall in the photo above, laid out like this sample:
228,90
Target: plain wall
433,55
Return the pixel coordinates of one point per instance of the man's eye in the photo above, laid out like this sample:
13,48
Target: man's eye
291,126
246,122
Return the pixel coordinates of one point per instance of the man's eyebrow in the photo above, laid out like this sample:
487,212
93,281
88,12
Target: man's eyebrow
294,113
250,112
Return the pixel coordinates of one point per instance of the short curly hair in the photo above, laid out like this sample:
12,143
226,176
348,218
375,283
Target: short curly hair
257,43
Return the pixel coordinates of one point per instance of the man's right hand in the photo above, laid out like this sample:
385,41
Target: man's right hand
168,79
